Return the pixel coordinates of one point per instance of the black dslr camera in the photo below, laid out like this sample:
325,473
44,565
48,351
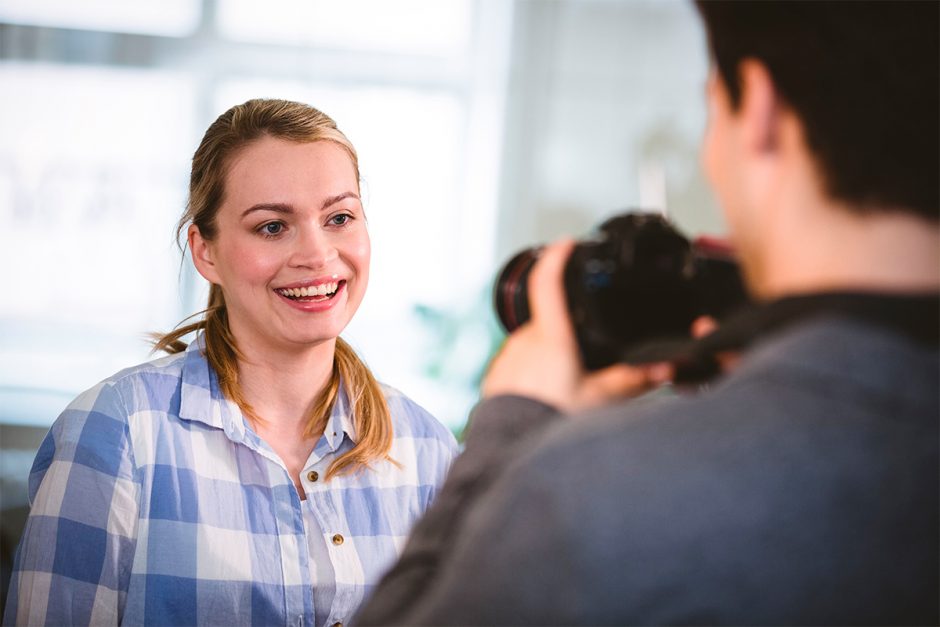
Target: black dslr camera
633,290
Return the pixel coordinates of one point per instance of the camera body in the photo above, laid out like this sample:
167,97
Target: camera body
633,289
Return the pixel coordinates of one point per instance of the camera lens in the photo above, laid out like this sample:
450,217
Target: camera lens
511,293
633,289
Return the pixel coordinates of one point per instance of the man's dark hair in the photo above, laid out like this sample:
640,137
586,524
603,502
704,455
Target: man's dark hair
864,79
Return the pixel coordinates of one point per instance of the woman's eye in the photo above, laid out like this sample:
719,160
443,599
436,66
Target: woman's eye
341,219
271,228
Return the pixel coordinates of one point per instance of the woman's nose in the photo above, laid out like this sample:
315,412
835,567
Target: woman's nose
312,249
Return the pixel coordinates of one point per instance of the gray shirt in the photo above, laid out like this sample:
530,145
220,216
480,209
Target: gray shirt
801,489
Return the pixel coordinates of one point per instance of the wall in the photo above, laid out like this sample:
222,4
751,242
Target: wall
605,111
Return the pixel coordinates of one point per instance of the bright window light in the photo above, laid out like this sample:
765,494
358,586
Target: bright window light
93,167
173,18
436,27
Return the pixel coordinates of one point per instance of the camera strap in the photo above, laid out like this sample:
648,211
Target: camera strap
914,316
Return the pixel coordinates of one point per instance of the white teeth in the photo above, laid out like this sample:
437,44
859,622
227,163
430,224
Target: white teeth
323,289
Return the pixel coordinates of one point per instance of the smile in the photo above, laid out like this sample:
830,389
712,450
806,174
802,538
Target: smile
311,293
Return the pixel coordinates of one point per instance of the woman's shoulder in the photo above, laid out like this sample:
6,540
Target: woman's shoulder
94,425
163,370
132,388
412,420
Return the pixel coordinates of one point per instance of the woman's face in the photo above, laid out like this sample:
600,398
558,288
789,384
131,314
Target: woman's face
291,252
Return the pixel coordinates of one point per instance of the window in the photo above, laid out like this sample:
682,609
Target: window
174,18
94,158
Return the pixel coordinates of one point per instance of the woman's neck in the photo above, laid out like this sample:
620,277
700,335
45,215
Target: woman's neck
282,386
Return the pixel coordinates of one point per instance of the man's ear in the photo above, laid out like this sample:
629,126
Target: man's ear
760,107
202,255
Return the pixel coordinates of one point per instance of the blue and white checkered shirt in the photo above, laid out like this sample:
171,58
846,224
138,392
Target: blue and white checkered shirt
153,503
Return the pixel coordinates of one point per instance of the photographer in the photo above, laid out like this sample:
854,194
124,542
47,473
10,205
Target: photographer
802,486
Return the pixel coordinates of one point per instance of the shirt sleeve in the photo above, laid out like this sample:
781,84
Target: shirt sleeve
74,560
499,430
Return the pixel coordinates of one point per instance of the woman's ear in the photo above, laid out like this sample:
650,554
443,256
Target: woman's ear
201,252
760,107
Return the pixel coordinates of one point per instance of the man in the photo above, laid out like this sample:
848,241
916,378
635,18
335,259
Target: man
802,486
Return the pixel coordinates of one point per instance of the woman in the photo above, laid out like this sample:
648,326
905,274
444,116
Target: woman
259,475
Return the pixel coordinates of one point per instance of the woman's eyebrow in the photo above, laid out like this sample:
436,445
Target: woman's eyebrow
278,207
332,200
281,207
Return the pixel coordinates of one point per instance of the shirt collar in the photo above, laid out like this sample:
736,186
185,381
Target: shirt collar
201,400
341,422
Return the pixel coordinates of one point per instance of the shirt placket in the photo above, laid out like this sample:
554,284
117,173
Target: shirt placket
291,538
340,549
295,572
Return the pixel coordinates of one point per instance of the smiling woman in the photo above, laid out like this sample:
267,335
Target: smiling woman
259,474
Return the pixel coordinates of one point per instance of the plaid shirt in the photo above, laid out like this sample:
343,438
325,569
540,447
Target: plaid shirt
152,502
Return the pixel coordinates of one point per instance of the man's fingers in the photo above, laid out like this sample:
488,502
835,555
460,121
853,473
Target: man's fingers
702,326
546,285
622,380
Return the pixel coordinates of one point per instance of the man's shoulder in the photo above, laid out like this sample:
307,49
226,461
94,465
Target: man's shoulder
829,373
837,349
746,482
806,420
805,409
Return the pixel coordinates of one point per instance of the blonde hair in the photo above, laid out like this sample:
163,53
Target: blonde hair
231,132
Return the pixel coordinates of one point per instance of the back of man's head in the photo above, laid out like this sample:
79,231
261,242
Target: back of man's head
864,79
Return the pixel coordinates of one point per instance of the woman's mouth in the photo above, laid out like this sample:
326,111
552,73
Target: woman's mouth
311,293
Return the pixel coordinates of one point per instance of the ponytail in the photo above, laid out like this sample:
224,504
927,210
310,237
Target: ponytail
369,409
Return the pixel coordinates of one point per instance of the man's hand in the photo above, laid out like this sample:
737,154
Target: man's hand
540,359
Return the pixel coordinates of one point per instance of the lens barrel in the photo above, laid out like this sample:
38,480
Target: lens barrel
511,292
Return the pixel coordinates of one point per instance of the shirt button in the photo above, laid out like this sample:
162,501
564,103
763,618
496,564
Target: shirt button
313,475
337,624
337,539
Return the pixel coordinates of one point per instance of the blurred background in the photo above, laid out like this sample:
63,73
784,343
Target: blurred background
483,126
